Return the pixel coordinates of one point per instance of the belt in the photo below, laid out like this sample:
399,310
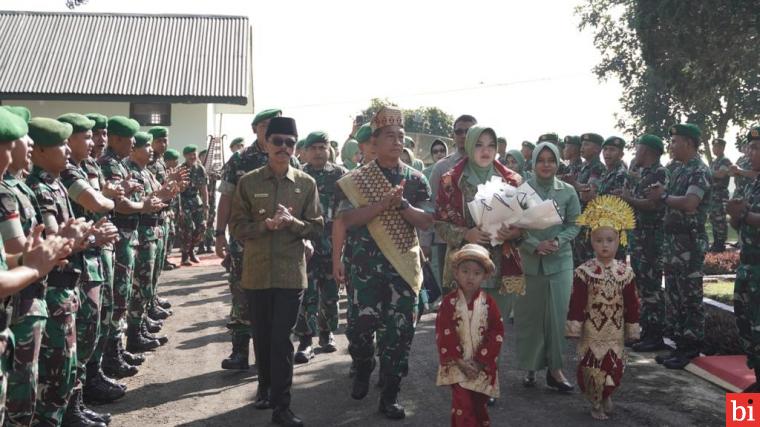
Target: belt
35,290
129,223
63,279
749,258
151,222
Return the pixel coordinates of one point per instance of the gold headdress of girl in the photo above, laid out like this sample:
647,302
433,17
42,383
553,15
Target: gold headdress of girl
609,211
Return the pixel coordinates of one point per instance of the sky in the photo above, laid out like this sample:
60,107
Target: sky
522,68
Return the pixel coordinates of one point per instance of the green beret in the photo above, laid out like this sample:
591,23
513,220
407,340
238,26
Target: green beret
753,134
12,127
572,140
171,154
142,139
549,137
592,137
300,144
159,132
78,122
363,134
47,132
315,137
529,144
192,148
652,141
20,111
101,121
236,141
122,126
614,141
686,129
265,115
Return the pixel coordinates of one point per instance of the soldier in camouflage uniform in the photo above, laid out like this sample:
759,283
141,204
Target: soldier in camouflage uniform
588,179
384,299
745,217
720,168
573,162
319,308
527,148
742,170
171,160
647,240
194,199
686,199
207,242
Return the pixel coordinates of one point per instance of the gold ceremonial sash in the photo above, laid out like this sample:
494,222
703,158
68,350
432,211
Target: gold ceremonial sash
396,238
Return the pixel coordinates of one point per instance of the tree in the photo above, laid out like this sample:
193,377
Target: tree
679,60
427,120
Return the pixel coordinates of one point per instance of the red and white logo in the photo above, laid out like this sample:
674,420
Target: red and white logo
742,409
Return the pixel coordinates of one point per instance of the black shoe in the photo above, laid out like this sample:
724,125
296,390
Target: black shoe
649,344
680,360
73,417
262,400
327,342
169,266
157,313
203,250
360,387
153,326
163,303
389,405
113,363
97,417
97,389
239,357
136,343
226,263
132,358
562,386
193,258
286,417
661,358
162,339
530,379
305,351
185,260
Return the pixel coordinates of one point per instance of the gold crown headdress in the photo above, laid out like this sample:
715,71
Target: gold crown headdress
609,211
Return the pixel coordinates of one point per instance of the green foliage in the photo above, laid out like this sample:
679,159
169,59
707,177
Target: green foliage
427,120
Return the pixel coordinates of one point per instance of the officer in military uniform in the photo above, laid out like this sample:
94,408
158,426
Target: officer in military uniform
589,178
319,309
647,241
572,155
742,170
171,160
745,217
527,152
686,199
720,168
207,242
194,199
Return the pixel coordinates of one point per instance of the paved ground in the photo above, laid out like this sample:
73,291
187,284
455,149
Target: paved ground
182,383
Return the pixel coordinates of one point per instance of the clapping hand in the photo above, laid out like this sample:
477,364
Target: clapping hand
76,230
655,191
392,199
104,232
735,208
282,218
43,255
112,191
152,204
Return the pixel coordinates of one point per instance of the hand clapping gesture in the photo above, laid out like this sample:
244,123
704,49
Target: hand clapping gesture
282,218
42,255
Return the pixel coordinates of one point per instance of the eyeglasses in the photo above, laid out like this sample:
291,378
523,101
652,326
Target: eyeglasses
460,131
439,151
278,142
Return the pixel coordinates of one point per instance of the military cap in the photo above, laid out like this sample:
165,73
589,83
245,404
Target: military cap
501,140
652,141
688,130
159,132
171,154
282,125
614,141
300,144
719,141
572,140
78,122
315,137
101,121
266,115
549,137
142,139
12,127
20,111
592,137
236,141
753,134
47,132
122,126
363,134
528,144
192,148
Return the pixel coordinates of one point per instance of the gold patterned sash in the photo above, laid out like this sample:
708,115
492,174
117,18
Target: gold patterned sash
396,238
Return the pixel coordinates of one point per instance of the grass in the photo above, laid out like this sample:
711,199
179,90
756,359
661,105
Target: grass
722,291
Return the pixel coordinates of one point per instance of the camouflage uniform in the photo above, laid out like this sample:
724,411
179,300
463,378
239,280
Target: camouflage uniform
685,241
747,285
319,308
590,173
718,201
614,179
646,255
191,222
76,181
58,353
572,170
6,342
208,237
124,248
19,214
158,168
149,234
242,162
382,300
740,182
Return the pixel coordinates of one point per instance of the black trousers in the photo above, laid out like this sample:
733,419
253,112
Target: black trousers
274,312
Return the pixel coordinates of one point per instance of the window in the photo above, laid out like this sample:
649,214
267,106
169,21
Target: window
151,114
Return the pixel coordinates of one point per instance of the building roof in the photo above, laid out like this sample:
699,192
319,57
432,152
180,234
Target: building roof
118,57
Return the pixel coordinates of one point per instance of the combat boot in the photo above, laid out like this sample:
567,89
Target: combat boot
154,326
133,359
305,350
136,343
162,339
73,417
157,313
97,417
113,364
327,342
191,255
163,303
97,389
239,357
389,405
649,343
95,370
360,386
185,261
